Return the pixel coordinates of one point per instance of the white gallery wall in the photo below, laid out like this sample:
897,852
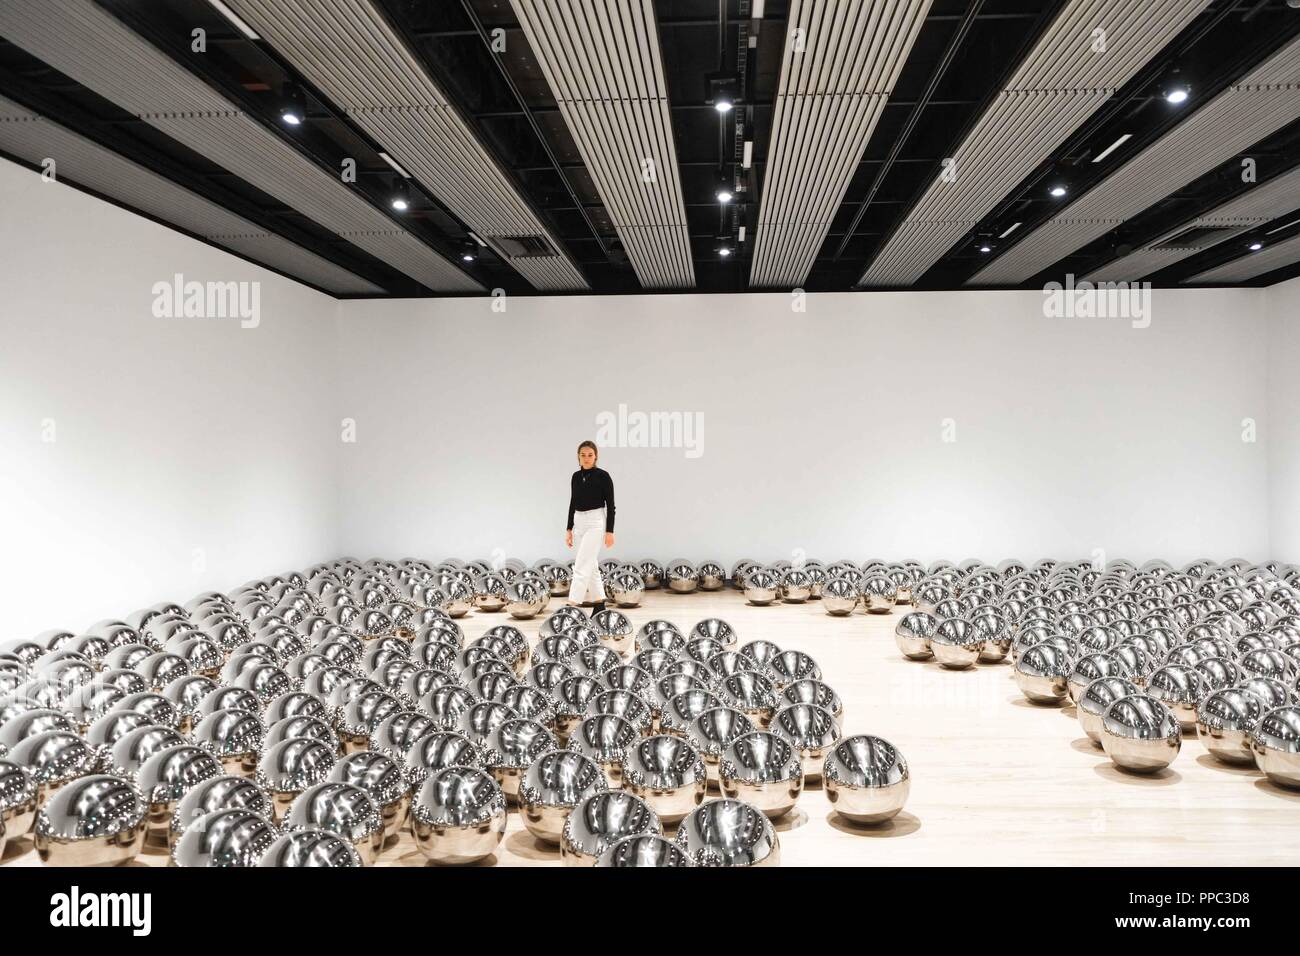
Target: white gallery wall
146,458
142,458
1284,421
893,424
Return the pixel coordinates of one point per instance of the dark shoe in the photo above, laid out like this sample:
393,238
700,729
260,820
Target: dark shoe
597,606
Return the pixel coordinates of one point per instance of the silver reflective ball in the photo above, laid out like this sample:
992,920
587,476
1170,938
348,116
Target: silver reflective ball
625,704
956,644
511,749
763,770
879,593
810,691
54,758
1096,697
751,693
605,738
525,598
867,780
380,776
667,773
682,576
555,783
1140,734
342,809
761,587
677,712
760,653
288,768
1276,743
459,816
313,848
729,833
234,737
19,793
912,634
811,731
796,586
1042,673
167,776
713,731
1180,687
715,629
226,792
790,666
840,596
98,820
1225,719
600,821
437,751
626,588
613,629
644,850
712,576
234,836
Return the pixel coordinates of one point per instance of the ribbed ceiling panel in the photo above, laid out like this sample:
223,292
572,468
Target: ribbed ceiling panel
1253,265
1059,85
350,52
91,46
1255,107
841,61
604,67
81,161
1254,207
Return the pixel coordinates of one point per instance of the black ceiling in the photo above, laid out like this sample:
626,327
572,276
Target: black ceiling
963,54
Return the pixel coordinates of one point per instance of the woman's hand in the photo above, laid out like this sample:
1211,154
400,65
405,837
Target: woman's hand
609,539
568,538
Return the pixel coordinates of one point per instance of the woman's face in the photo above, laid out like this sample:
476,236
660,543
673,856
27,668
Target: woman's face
587,457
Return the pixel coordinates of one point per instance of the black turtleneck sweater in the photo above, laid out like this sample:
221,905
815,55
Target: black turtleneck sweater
592,488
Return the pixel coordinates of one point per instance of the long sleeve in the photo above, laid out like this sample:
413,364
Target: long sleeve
609,504
573,491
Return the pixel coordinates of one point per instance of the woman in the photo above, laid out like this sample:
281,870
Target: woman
591,515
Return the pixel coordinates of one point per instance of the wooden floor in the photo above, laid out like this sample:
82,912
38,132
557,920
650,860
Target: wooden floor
995,780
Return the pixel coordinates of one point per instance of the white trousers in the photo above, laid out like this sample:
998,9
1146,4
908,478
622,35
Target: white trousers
588,535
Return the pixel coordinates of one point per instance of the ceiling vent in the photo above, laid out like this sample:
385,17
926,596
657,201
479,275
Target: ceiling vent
523,247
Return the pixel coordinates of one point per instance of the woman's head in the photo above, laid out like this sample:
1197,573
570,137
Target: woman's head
587,454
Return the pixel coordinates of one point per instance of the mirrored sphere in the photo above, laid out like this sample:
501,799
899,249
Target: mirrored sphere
314,848
728,833
763,770
867,780
97,820
1140,734
459,816
226,837
601,820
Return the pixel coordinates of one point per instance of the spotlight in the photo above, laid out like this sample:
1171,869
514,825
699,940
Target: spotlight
722,91
469,251
1057,191
723,105
1256,246
1177,95
401,196
293,108
724,250
985,248
724,193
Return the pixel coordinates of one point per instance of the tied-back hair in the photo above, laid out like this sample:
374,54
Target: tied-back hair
592,446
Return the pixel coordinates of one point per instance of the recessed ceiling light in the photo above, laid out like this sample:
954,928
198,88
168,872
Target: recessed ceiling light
1177,95
1256,246
230,15
723,106
1057,191
291,116
724,251
986,248
724,195
1112,147
467,256
393,163
400,204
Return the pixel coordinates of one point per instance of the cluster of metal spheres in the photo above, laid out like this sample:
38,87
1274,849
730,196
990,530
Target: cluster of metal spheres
308,718
842,587
1145,654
